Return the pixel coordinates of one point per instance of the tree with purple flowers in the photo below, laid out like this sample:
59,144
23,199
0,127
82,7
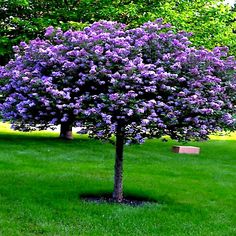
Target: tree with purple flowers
134,84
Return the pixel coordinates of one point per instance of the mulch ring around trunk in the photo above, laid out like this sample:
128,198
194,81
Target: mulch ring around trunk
107,198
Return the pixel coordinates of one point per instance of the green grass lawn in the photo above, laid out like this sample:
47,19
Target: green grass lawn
42,177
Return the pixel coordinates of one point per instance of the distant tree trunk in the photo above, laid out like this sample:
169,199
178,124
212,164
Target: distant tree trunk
118,178
66,131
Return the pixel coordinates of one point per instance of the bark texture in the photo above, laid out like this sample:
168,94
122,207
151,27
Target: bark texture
118,178
66,131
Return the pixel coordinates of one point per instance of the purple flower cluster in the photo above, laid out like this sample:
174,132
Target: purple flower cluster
148,80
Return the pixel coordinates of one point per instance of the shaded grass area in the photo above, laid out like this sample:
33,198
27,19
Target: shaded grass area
42,179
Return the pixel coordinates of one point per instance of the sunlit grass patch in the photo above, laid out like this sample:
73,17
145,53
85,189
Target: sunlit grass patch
42,179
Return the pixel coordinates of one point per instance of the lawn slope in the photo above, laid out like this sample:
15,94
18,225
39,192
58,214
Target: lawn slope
42,177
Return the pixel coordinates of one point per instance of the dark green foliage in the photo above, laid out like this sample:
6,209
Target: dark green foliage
21,20
211,22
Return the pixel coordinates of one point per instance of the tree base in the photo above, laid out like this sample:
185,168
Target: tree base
68,135
129,200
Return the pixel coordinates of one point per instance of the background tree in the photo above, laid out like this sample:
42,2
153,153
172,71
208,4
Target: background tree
212,22
21,20
135,84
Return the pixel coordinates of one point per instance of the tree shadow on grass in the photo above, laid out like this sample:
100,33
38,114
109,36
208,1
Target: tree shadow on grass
36,136
142,200
131,199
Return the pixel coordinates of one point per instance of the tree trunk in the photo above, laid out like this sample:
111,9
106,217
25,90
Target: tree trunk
66,131
118,182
